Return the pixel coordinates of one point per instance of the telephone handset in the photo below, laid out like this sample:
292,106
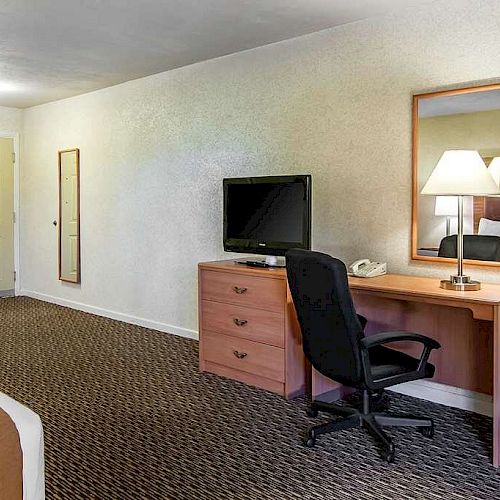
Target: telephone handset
364,268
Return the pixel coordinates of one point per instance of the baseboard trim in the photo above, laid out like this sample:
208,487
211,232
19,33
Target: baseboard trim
448,395
126,318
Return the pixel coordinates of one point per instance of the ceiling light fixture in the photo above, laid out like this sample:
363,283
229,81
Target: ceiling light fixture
8,86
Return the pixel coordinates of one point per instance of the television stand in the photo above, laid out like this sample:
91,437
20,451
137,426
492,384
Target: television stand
270,261
248,327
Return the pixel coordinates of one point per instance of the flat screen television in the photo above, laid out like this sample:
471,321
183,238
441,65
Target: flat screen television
267,215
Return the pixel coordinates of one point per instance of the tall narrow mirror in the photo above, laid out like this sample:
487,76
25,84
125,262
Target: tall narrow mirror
69,215
467,118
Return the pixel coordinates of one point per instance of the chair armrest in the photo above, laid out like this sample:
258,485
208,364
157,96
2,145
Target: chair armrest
386,337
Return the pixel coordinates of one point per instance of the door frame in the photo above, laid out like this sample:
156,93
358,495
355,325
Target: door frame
15,137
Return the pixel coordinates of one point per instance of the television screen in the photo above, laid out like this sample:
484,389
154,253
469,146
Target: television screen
267,215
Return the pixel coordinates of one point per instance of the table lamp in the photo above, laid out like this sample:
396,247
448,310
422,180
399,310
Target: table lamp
494,169
460,173
446,206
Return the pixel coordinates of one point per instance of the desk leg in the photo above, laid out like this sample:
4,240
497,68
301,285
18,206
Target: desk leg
496,387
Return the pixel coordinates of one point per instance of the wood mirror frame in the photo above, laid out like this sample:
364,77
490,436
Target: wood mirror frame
69,202
417,98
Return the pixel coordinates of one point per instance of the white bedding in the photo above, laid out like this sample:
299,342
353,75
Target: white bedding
489,227
29,427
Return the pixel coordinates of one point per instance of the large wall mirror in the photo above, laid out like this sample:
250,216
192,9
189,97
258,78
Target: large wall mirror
69,215
467,118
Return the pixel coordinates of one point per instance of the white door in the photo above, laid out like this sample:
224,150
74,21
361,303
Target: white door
6,216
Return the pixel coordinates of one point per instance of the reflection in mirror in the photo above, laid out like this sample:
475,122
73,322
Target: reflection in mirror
69,215
457,119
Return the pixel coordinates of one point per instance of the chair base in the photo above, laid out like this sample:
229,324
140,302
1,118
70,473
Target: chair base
373,422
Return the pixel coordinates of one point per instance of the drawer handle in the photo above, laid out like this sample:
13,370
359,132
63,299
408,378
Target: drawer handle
240,322
240,355
239,290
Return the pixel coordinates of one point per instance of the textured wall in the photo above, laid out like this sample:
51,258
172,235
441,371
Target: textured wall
10,120
154,151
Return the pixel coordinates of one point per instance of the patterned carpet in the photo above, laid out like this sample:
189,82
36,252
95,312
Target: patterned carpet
127,416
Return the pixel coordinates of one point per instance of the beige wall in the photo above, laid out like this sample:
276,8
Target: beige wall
480,131
336,104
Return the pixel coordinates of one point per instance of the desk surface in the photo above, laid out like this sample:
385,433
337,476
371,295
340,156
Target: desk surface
417,286
422,286
232,266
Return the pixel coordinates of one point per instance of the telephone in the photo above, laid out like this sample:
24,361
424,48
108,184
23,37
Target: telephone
363,268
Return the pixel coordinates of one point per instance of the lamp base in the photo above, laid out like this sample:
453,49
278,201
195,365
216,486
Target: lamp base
460,283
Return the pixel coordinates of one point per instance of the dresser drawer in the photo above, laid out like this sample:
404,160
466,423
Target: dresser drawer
245,355
252,324
244,290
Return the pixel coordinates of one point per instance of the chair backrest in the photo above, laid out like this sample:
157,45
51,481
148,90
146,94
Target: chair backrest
476,246
330,326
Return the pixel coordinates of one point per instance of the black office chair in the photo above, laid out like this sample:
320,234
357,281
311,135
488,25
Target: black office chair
476,246
334,343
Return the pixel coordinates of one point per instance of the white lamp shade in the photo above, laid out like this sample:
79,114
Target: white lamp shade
494,169
446,205
460,172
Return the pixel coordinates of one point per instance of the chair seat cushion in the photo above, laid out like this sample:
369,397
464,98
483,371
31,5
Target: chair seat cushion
386,362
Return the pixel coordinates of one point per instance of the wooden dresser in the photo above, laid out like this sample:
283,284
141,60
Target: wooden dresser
248,327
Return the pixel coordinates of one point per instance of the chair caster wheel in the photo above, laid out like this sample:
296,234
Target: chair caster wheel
389,454
309,439
312,412
428,432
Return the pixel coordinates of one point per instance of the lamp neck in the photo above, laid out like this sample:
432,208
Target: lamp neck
460,236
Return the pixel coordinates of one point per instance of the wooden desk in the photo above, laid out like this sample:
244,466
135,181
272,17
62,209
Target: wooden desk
467,324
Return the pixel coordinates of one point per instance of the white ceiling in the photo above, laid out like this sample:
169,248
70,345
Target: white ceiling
461,103
51,49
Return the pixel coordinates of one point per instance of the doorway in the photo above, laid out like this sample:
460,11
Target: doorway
7,217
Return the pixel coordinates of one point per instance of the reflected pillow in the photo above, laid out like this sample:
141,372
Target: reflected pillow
489,227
